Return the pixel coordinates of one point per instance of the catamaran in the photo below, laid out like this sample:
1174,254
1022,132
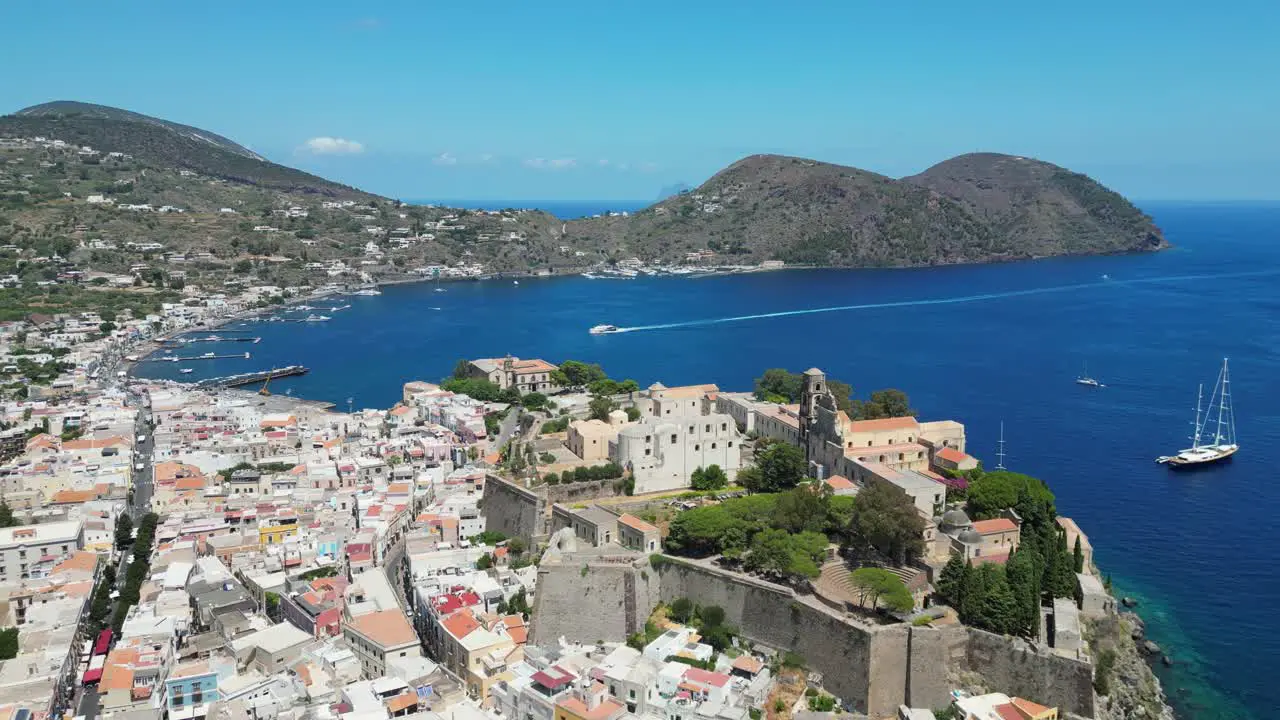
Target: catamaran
1206,447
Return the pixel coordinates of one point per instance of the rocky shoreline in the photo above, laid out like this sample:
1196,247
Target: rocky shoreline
1125,683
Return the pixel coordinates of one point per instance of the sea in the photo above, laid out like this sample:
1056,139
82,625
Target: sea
988,345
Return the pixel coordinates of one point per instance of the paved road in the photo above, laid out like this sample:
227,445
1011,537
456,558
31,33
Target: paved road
88,704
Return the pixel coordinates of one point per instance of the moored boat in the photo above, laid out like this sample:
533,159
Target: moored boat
1224,443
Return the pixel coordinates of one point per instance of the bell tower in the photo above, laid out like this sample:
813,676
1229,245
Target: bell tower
813,384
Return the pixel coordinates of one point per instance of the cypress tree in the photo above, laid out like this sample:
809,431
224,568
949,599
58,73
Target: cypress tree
972,589
1000,609
951,580
1078,552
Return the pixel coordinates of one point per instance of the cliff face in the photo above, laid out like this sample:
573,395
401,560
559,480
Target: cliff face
1132,690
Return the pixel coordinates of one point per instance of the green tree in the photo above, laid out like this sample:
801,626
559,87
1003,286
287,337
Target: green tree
972,591
1078,553
633,414
681,609
600,407
124,531
273,606
485,562
711,616
883,404
8,643
778,385
877,585
462,369
1024,582
994,492
885,518
534,400
951,579
801,509
781,467
709,478
998,611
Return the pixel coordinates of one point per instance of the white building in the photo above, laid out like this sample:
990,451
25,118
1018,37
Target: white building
677,434
24,546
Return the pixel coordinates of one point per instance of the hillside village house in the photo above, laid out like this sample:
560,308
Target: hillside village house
526,376
26,550
377,637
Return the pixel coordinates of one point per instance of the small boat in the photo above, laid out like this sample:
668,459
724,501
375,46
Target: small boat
367,292
515,282
186,371
1224,443
604,329
315,318
207,355
1084,379
440,289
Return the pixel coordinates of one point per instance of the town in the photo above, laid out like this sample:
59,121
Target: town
523,539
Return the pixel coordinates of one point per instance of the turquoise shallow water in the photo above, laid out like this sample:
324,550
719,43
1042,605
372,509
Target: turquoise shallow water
980,344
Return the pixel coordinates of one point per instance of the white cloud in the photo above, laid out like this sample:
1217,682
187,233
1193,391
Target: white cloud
488,159
552,164
331,146
444,158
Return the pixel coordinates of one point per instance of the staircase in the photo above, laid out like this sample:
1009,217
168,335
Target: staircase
835,584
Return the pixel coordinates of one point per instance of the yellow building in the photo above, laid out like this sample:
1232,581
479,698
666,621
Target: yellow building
276,534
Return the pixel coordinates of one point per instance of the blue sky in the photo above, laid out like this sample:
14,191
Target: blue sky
577,100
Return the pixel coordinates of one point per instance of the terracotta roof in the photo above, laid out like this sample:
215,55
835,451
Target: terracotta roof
990,527
895,423
706,677
1007,711
951,454
388,628
1030,708
748,663
575,706
406,699
461,624
516,629
190,483
116,677
93,443
82,560
72,497
636,523
839,482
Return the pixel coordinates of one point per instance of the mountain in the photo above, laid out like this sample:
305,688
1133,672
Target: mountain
131,201
63,108
675,189
974,208
163,143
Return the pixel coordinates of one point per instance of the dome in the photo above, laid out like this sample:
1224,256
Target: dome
953,519
970,537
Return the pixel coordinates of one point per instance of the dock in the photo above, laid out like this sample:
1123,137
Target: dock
206,356
211,339
251,378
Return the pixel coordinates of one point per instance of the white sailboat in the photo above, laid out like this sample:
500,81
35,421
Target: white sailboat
1085,379
1222,444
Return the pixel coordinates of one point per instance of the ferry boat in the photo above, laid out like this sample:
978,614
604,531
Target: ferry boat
604,329
367,292
1223,443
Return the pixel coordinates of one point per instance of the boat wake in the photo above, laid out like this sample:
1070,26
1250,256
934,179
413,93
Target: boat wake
1109,282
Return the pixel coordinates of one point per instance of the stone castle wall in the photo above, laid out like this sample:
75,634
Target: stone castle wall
513,510
875,668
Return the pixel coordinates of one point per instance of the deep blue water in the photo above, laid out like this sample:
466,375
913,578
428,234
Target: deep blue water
1200,550
563,209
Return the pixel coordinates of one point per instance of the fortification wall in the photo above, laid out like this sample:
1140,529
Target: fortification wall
857,663
513,510
1016,667
579,491
584,600
874,668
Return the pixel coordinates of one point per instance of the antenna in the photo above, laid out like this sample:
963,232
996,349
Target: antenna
1000,450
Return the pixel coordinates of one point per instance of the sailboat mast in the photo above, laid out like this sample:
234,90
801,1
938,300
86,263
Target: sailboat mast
1195,439
1222,401
1000,453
